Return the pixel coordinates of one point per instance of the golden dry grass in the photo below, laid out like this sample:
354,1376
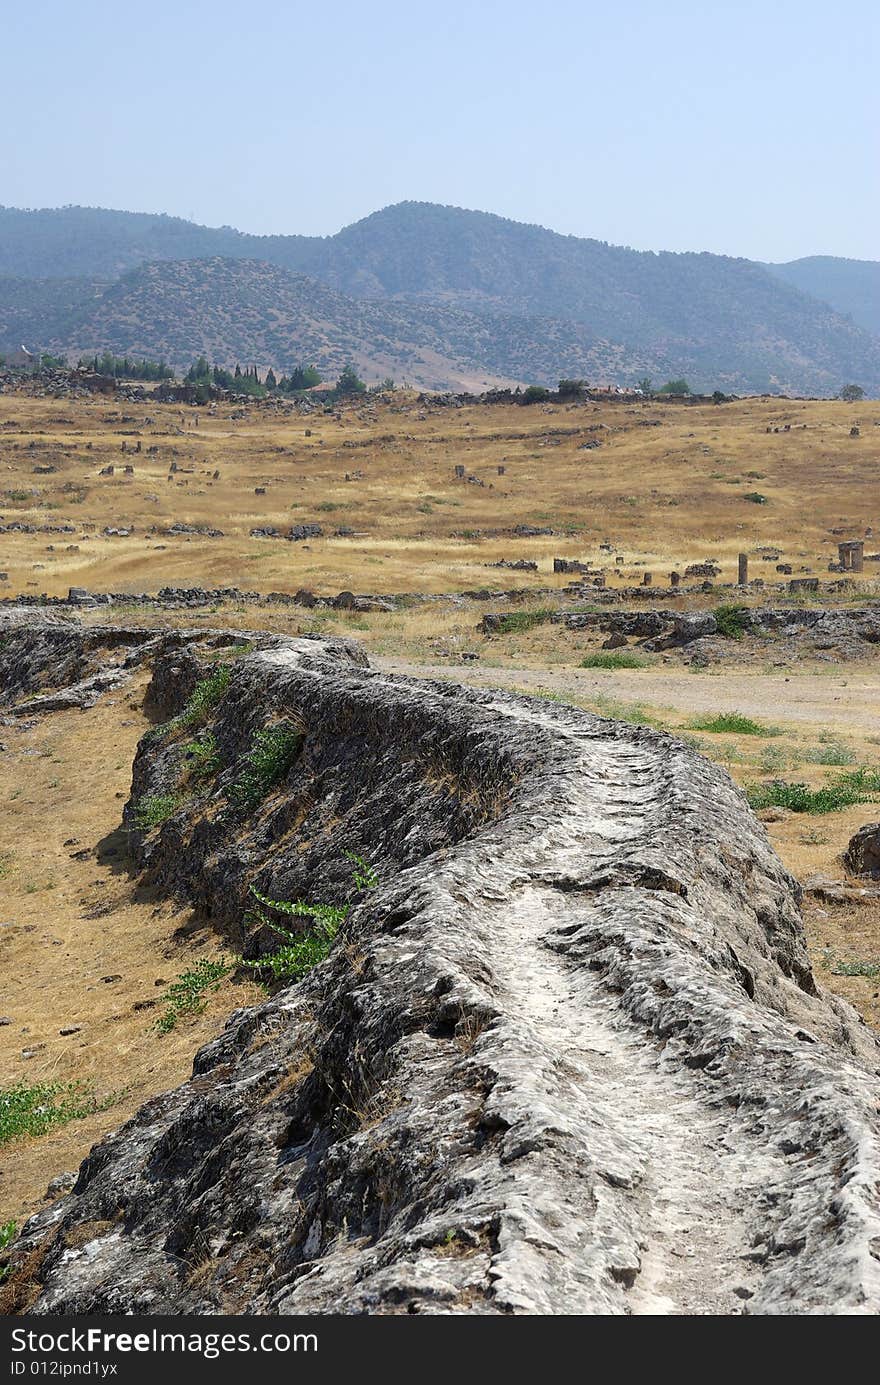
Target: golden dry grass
68,924
664,495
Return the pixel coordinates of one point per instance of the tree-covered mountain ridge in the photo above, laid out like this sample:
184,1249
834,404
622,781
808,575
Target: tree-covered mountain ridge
485,296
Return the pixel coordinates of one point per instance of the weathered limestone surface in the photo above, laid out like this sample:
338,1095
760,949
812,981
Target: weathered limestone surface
568,1057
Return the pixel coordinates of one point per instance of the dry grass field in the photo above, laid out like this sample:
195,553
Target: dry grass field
667,485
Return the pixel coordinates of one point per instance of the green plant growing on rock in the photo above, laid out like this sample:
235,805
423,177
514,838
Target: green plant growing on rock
273,752
302,951
205,696
154,809
188,994
202,757
730,621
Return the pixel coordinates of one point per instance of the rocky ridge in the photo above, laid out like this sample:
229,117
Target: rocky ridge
567,1057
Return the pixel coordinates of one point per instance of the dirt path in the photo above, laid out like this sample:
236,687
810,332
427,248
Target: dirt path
838,700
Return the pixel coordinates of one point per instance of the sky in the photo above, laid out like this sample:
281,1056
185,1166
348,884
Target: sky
746,129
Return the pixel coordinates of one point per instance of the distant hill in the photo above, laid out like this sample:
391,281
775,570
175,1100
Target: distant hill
250,311
436,293
851,287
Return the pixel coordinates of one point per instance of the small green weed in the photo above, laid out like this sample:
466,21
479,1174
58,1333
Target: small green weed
302,951
858,786
869,969
187,995
274,750
202,757
830,754
8,1232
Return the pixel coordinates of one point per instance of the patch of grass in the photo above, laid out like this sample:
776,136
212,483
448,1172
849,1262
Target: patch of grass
188,994
613,658
730,621
274,750
733,724
36,1108
756,497
869,969
516,622
859,786
154,809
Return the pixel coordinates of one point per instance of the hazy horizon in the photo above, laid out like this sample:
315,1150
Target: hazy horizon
748,131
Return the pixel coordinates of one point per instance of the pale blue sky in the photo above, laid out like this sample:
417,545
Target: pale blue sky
750,129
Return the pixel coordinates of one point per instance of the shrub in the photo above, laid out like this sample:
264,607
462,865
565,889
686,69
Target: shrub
274,750
205,696
613,658
534,394
730,621
36,1108
733,724
154,809
187,995
756,497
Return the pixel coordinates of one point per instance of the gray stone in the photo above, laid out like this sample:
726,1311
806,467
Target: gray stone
575,1015
862,855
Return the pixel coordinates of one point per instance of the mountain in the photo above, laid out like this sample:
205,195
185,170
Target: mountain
250,311
447,294
852,287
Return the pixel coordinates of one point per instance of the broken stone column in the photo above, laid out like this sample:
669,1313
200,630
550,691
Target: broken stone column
843,556
743,569
646,580
857,556
501,470
459,471
675,579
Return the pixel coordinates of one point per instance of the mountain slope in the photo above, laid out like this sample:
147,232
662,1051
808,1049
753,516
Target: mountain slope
243,310
851,287
526,303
